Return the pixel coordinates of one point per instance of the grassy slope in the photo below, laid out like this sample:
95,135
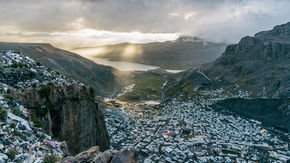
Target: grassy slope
147,86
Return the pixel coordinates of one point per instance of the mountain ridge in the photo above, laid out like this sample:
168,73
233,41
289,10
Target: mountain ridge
258,64
182,53
101,78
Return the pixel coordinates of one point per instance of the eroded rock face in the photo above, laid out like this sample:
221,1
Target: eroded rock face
68,113
258,64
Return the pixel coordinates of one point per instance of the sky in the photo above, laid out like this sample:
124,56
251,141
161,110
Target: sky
86,23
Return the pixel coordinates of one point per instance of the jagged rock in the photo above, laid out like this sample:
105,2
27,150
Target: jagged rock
109,156
69,159
104,157
247,43
125,156
64,148
3,157
69,113
89,155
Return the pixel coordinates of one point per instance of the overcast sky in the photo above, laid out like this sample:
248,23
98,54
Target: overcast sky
73,23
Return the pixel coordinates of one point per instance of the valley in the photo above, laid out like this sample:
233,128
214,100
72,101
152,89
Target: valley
83,111
144,81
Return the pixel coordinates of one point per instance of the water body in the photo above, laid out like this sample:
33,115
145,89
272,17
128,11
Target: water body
128,66
124,66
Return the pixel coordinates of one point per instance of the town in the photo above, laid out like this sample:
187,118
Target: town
193,132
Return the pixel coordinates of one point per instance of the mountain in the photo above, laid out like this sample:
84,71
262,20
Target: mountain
99,77
183,53
256,68
258,64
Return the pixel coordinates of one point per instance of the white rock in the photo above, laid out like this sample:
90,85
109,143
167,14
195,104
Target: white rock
22,121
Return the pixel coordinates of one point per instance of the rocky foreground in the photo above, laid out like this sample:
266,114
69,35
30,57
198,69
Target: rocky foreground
47,117
20,139
193,132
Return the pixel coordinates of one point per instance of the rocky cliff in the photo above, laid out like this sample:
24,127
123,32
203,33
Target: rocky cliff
69,113
65,108
258,64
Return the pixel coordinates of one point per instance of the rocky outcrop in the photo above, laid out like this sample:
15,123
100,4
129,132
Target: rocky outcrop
69,113
259,64
20,139
109,156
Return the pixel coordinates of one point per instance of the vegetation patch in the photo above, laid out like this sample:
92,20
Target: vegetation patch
44,91
37,122
51,158
16,111
8,96
12,153
3,115
19,65
147,87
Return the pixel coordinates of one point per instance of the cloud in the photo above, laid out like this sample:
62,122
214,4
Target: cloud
226,20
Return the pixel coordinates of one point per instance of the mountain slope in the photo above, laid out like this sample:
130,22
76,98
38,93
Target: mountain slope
183,53
101,78
258,64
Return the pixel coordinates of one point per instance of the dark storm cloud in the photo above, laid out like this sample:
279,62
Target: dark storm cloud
218,20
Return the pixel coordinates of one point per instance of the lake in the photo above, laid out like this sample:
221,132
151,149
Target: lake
128,66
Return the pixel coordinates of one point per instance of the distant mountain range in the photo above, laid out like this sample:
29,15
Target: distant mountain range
101,78
183,53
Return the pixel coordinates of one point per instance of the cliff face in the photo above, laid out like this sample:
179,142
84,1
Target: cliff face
65,108
259,64
69,113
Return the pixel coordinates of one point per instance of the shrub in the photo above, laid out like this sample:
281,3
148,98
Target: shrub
16,111
12,125
19,65
12,153
3,115
44,91
37,123
50,158
8,96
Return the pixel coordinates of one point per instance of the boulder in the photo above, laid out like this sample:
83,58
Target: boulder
109,156
89,155
125,156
